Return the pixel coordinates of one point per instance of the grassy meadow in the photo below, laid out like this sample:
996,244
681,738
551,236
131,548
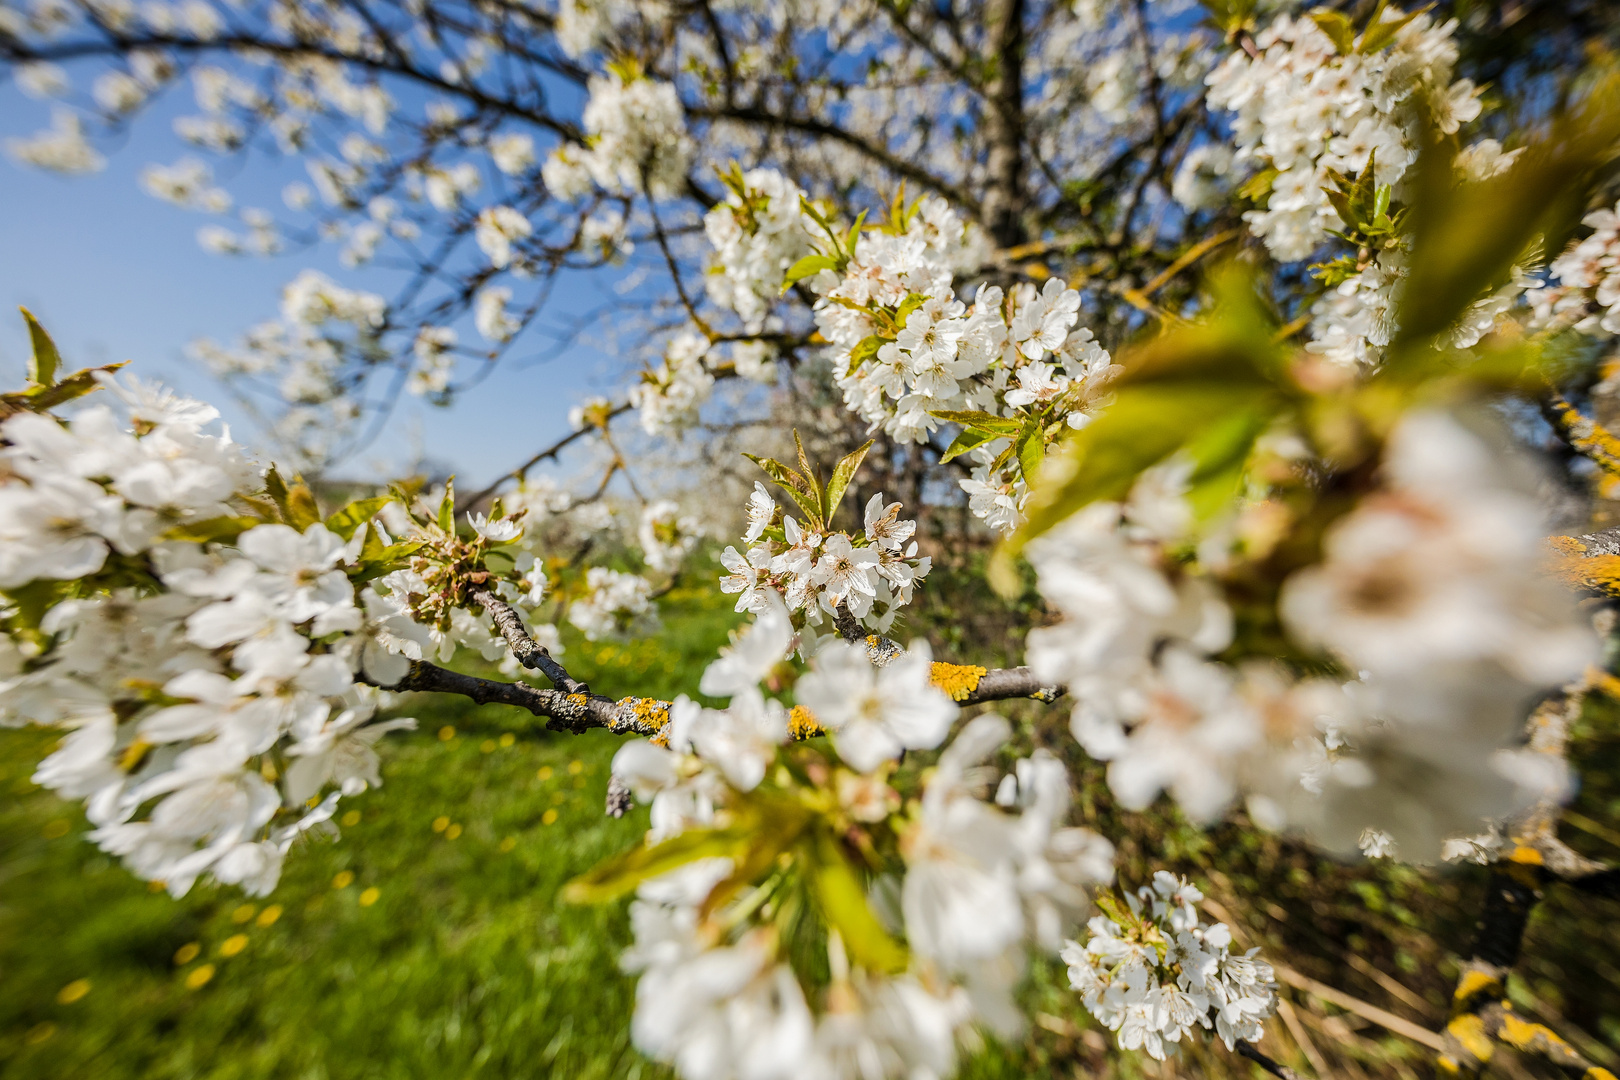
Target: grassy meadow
429,942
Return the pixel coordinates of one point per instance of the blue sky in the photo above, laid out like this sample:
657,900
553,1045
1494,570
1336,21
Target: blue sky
117,275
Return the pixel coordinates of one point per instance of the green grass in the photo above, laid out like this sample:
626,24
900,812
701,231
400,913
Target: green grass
463,964
467,965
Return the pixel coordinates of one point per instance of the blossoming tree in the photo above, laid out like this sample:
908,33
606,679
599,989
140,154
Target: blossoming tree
1294,547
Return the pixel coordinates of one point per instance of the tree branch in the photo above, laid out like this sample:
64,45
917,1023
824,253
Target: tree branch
529,652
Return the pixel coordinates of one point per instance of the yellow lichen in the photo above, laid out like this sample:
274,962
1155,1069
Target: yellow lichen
1473,983
1597,1072
1469,1031
1523,1035
651,716
1599,573
1588,436
1566,545
802,724
1525,855
957,680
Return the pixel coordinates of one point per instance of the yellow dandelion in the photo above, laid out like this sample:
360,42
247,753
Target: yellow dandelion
544,773
370,896
243,913
508,739
269,915
549,817
233,945
55,829
186,953
199,977
576,767
508,843
73,991
446,733
452,832
487,746
343,879
351,819
441,823
39,1033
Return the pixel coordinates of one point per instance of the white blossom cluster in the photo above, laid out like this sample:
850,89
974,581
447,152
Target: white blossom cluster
717,997
666,535
757,233
1587,294
669,397
1304,111
207,690
636,141
1432,594
615,605
1152,972
873,573
1304,108
1009,354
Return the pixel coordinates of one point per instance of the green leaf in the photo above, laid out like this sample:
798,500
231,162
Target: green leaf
617,876
864,350
1258,186
911,303
1338,28
807,266
1468,237
1145,424
989,423
347,521
447,507
32,600
969,439
853,236
500,563
302,509
1380,31
384,561
1221,454
371,548
843,903
799,489
41,398
46,359
276,488
1031,452
843,473
212,530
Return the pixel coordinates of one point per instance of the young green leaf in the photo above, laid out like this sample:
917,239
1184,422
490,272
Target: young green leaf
798,488
46,359
988,423
617,876
843,902
1338,28
864,350
447,507
969,439
210,530
806,267
843,473
347,521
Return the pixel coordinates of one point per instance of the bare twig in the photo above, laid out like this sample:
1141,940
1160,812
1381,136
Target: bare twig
1249,1051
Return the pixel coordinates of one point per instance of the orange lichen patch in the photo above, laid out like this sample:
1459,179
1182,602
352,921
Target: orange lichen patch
802,724
957,680
1526,856
1566,545
1600,573
651,717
